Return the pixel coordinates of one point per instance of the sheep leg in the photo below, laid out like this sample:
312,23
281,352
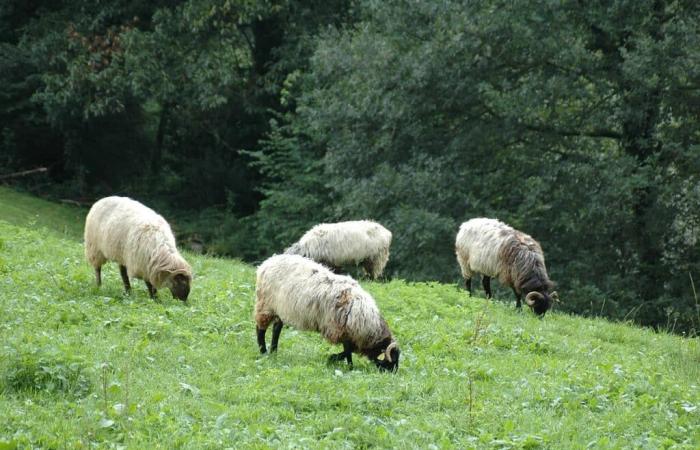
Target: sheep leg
346,354
151,290
125,278
335,357
261,339
333,268
468,285
98,276
486,281
347,349
262,321
276,330
369,268
518,297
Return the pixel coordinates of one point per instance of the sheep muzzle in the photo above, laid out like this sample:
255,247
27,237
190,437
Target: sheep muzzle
539,302
180,287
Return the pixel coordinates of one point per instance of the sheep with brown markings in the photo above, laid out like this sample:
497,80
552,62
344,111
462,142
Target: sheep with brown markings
494,249
297,291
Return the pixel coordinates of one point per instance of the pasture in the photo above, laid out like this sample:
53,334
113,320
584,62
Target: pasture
82,367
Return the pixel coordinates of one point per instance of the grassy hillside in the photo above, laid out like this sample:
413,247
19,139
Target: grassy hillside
82,367
30,212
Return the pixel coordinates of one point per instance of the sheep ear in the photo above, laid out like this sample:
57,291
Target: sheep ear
555,296
160,278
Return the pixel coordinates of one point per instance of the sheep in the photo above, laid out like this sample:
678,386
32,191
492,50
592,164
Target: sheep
140,241
353,242
300,292
492,248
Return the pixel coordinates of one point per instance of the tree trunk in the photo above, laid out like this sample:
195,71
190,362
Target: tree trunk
267,36
639,120
157,155
638,127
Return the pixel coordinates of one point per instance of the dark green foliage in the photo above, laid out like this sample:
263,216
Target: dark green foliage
171,89
25,139
296,193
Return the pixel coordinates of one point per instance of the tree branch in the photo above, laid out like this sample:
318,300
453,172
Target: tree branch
247,39
23,173
596,133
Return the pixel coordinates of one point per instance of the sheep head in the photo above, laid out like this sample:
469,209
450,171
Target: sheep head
388,358
540,302
294,249
179,284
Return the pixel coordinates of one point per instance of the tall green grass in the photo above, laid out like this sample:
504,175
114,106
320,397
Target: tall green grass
82,367
31,212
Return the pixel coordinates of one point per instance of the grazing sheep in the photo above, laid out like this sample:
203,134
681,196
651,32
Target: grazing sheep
140,241
492,248
354,242
297,291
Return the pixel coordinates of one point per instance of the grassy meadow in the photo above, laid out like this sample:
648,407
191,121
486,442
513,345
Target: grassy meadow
82,367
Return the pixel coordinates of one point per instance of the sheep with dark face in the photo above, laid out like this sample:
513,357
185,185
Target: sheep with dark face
494,249
297,291
353,242
140,241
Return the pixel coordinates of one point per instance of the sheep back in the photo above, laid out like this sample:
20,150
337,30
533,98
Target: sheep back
351,242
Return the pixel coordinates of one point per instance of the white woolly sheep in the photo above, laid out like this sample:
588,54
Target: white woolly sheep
353,242
492,248
140,241
297,291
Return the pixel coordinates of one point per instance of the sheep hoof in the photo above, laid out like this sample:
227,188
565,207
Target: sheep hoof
336,357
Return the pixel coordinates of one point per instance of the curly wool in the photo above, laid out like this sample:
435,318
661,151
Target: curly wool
308,296
351,242
492,248
123,230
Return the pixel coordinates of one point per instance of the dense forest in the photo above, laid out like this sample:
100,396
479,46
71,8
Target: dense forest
246,122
